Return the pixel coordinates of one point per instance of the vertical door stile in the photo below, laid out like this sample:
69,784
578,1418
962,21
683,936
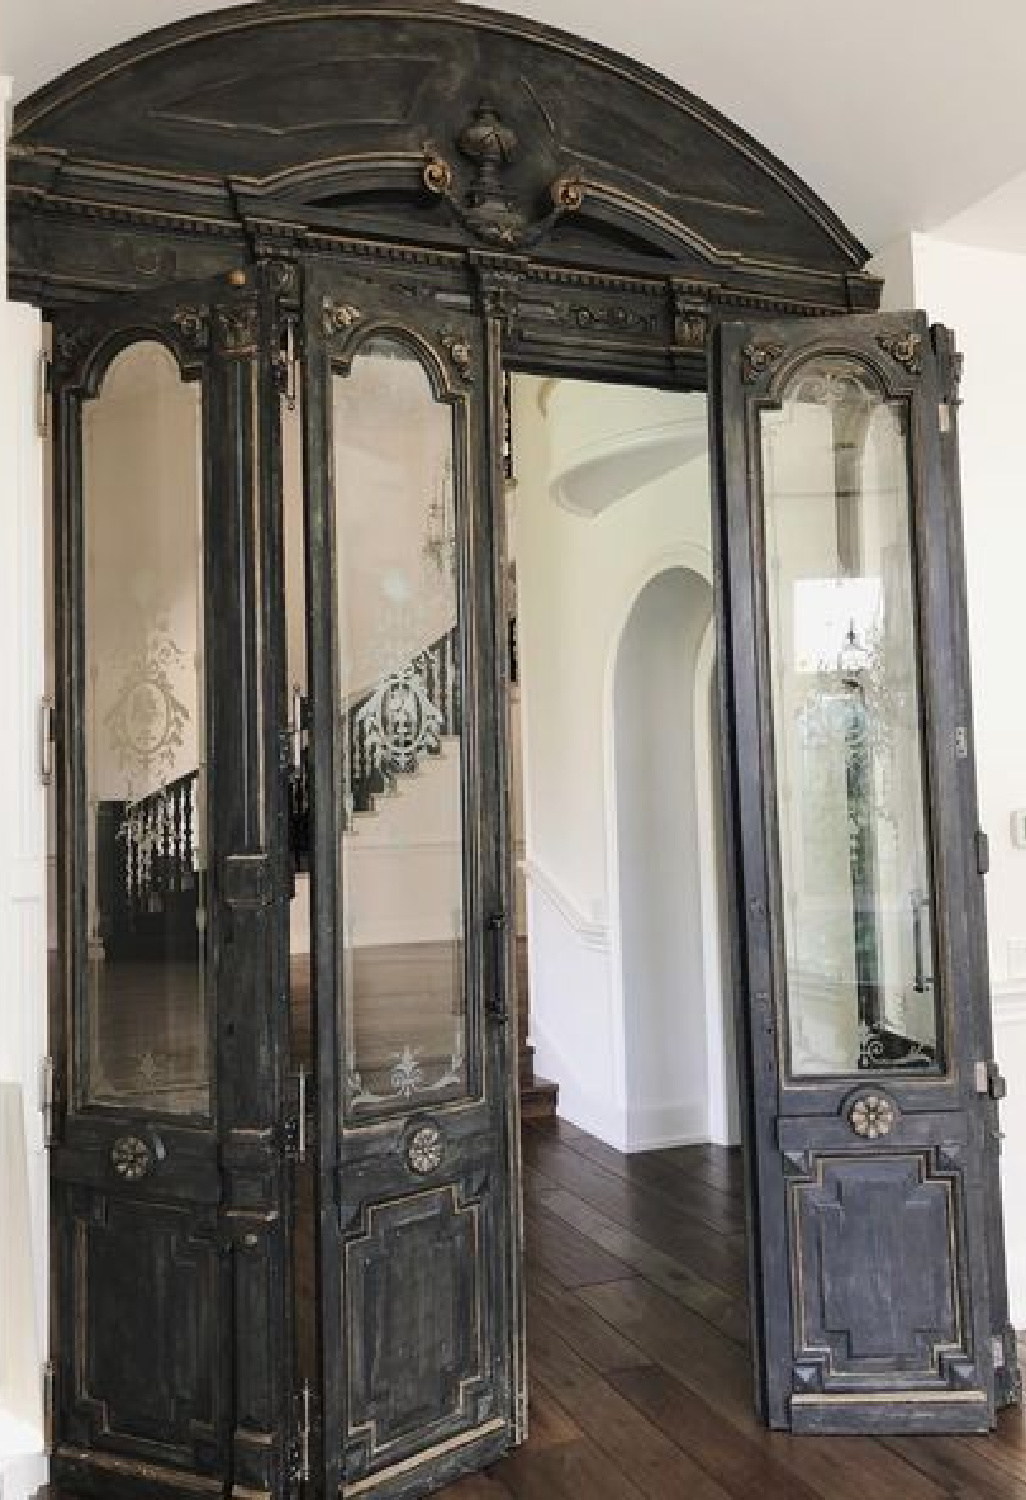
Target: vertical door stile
325,916
493,291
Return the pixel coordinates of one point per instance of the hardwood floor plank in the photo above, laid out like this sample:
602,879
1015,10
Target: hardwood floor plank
572,1471
961,1466
717,1258
573,1259
725,1311
659,1468
583,1330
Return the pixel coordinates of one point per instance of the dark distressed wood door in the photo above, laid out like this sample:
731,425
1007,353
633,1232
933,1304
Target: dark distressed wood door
859,946
419,1366
169,1183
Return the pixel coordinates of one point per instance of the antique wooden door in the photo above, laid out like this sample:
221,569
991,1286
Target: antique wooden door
169,1183
860,956
418,1241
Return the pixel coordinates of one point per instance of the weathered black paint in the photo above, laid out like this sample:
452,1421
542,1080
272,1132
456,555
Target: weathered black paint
186,157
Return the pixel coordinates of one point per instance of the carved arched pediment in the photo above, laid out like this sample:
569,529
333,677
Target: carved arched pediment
438,121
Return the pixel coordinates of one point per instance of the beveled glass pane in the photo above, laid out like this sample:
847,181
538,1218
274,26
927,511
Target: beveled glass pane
847,734
402,902
145,1027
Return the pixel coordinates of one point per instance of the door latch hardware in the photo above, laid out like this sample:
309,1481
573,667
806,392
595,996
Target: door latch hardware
47,1093
296,728
286,364
989,1082
496,1005
46,740
295,1130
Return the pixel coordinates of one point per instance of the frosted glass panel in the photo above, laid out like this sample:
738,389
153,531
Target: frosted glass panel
402,906
850,788
146,1014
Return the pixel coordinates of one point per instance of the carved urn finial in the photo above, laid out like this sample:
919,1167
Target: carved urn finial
492,145
486,208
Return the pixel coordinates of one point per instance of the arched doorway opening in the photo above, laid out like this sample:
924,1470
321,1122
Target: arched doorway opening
680,1077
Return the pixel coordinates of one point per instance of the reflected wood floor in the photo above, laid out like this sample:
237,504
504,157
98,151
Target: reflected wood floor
640,1385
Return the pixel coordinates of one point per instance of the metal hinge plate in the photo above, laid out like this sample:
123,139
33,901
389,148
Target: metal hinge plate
49,1373
297,1456
982,852
44,385
47,1096
989,1081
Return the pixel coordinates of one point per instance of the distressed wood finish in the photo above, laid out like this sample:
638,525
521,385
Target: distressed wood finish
909,1348
169,1316
457,175
417,1266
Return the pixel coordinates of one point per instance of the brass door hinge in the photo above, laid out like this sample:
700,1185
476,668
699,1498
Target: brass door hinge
44,385
49,1373
47,1097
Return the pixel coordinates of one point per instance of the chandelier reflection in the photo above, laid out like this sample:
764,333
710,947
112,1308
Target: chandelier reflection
440,531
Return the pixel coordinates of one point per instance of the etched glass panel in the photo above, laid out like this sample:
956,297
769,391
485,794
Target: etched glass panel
402,891
146,1043
847,731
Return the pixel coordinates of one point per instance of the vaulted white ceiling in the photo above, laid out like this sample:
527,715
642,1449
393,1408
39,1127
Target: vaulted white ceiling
902,114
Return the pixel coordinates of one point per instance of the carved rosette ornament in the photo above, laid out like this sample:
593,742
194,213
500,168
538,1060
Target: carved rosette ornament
486,210
758,359
425,1149
872,1116
132,1158
904,348
338,317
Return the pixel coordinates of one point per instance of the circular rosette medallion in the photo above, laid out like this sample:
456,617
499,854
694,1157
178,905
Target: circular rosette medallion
131,1157
872,1116
425,1148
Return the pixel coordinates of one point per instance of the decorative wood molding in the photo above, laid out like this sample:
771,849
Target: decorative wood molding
592,934
904,348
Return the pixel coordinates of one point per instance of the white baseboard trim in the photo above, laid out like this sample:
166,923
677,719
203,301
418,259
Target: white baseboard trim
654,1127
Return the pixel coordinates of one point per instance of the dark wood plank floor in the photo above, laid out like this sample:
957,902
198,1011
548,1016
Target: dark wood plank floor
640,1385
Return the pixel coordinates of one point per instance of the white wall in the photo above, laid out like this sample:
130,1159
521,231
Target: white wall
659,864
579,572
981,294
23,1175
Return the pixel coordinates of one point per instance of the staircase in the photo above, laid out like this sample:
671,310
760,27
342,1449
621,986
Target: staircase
392,734
538,1097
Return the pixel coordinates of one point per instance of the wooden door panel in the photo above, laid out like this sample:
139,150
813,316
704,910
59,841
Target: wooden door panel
876,1273
141,1339
419,1352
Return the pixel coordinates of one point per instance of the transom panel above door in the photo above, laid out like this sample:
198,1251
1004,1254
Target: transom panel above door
418,1261
871,1097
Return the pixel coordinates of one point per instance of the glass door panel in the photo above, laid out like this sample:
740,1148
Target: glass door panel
401,727
844,659
146,1026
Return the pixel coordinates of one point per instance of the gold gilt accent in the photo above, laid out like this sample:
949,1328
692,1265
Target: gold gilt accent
757,359
338,316
872,1116
903,347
